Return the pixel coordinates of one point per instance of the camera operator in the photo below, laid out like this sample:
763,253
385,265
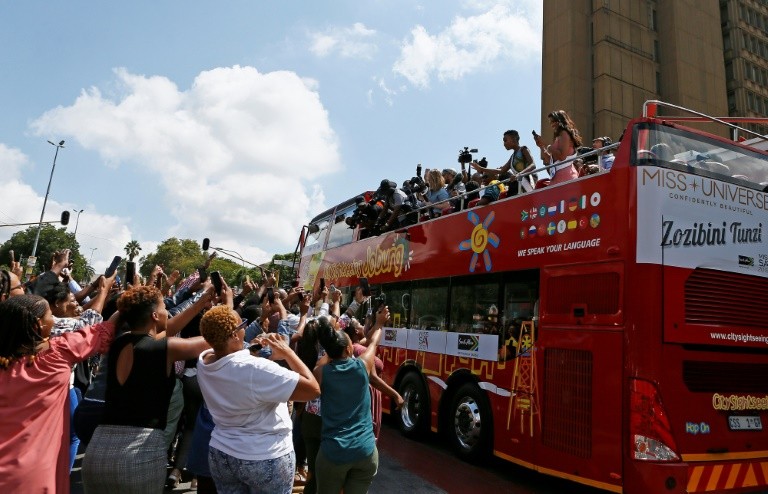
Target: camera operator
397,210
520,162
365,215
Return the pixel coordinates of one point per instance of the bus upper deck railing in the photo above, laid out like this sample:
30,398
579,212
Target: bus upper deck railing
650,109
424,211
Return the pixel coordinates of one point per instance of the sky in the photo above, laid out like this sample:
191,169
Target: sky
241,120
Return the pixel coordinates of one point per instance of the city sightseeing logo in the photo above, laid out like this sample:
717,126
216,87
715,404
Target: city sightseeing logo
479,240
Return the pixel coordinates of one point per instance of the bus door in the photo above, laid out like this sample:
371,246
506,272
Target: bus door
579,363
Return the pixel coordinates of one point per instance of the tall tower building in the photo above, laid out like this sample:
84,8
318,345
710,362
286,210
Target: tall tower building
745,49
603,58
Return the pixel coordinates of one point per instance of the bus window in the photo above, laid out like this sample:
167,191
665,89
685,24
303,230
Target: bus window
475,305
520,297
428,305
316,235
341,233
398,299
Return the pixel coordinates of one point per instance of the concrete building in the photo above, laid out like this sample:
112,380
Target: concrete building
603,58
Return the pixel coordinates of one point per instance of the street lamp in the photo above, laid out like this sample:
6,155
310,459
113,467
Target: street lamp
91,259
77,221
47,191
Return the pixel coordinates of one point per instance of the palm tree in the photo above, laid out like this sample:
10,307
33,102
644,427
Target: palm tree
132,249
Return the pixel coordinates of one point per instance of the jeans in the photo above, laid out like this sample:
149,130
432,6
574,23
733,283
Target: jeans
74,441
235,476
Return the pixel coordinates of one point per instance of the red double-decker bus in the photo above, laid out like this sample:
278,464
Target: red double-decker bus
611,330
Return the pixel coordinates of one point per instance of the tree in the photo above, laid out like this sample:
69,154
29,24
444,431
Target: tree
132,249
51,239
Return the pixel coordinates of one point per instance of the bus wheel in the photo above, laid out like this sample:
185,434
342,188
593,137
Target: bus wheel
414,414
472,423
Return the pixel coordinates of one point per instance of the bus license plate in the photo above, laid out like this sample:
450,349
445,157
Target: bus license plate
745,423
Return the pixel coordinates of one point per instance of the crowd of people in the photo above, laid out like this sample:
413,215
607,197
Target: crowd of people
257,392
443,192
181,378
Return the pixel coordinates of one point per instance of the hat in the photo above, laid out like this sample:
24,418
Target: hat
360,200
387,184
449,170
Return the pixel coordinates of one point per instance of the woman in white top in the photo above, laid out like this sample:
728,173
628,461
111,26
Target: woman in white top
251,449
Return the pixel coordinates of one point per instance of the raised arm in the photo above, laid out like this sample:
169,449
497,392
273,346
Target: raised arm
307,388
177,322
105,284
185,348
374,336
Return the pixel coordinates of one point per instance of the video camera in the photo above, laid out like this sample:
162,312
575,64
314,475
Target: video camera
366,212
415,185
465,155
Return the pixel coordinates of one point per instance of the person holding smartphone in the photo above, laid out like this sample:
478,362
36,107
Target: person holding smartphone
566,139
251,445
348,458
521,162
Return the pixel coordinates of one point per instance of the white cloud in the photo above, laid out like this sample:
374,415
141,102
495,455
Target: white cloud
21,204
240,139
503,34
13,161
348,42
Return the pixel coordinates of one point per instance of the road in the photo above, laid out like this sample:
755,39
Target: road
428,467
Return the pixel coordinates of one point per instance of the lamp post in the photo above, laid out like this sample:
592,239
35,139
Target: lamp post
77,221
47,191
91,259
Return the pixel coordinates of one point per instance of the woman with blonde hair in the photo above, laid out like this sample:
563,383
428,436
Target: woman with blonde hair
251,447
436,192
566,140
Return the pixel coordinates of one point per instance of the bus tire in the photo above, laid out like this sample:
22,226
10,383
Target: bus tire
413,418
471,423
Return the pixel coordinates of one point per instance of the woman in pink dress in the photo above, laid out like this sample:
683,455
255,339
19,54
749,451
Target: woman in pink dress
34,387
565,141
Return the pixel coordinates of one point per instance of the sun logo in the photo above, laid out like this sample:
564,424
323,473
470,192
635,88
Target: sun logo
479,240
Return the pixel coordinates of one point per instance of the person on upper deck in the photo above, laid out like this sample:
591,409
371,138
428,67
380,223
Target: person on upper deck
520,162
605,161
396,207
566,139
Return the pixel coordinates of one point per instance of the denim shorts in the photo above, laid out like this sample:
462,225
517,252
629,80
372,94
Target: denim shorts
235,476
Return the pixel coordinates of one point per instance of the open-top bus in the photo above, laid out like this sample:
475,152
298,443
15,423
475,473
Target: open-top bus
611,330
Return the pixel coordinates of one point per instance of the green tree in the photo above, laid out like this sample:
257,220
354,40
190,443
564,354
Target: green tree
132,249
51,239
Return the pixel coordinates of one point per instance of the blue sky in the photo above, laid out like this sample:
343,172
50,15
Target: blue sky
241,120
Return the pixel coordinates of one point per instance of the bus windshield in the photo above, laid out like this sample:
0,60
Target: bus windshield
669,147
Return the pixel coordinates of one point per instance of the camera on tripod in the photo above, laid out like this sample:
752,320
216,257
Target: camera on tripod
465,155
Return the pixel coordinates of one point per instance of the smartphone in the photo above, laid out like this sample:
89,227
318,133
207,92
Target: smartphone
322,284
364,286
113,267
216,280
332,288
206,243
271,295
130,272
13,257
